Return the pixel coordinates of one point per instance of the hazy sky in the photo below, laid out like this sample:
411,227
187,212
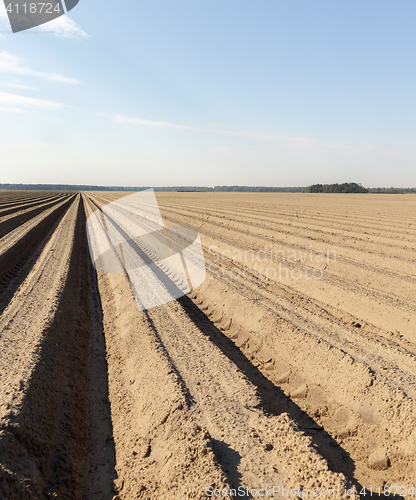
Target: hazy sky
212,92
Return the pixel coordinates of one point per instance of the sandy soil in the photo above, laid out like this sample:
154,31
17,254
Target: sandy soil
292,365
55,424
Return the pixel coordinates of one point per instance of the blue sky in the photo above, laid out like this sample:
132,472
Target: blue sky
212,92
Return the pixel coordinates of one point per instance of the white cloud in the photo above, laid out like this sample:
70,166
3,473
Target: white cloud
13,99
12,110
239,133
139,121
11,64
17,85
297,152
63,27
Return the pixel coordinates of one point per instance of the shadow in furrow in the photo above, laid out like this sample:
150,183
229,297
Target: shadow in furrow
102,453
230,460
16,263
273,399
188,396
10,208
12,223
53,445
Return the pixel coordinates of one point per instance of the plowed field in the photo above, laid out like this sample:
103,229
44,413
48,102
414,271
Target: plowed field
292,366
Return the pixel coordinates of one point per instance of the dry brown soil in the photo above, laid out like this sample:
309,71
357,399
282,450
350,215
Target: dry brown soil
292,365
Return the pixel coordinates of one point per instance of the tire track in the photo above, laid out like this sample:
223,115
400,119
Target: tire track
296,236
51,443
248,443
312,218
289,314
33,203
20,248
332,279
8,224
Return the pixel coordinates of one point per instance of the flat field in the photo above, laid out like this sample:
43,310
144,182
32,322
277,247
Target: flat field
292,366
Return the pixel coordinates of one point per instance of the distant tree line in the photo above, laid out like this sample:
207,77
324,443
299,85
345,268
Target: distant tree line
75,187
392,190
346,187
353,187
259,189
66,187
